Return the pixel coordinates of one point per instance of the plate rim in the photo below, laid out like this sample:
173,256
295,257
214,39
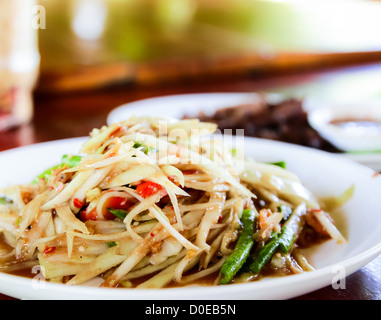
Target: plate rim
271,95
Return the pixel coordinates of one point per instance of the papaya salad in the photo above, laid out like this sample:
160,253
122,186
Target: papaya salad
148,203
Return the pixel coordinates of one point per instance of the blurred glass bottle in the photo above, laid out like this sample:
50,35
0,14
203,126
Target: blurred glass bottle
19,60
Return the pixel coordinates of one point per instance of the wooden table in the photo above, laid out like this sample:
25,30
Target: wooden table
66,115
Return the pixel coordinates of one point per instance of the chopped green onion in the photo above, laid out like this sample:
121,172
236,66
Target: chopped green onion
4,200
112,244
18,221
68,160
281,164
119,213
71,161
146,149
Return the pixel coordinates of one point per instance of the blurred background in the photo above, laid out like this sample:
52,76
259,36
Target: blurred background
90,43
99,54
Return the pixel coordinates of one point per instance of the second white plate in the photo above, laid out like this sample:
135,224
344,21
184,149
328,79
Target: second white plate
177,106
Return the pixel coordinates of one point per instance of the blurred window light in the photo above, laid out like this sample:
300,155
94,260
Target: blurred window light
89,19
348,25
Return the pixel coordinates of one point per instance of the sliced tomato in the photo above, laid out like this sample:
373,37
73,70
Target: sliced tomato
148,188
188,172
89,215
115,203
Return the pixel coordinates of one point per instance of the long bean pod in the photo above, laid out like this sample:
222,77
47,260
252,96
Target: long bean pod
242,249
284,240
264,255
290,228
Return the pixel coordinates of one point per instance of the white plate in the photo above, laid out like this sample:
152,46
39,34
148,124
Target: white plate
176,106
371,160
323,173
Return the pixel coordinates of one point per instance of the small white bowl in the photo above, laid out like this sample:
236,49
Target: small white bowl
349,138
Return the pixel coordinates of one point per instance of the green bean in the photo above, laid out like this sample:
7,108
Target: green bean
290,228
242,249
264,255
284,241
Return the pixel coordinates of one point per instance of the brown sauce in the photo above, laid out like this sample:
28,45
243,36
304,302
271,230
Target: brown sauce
306,240
25,273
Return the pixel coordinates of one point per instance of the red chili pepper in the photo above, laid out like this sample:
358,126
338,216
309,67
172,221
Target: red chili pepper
315,210
78,203
115,203
116,131
49,250
112,154
148,188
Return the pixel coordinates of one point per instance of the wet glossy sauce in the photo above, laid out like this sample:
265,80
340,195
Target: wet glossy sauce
307,239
